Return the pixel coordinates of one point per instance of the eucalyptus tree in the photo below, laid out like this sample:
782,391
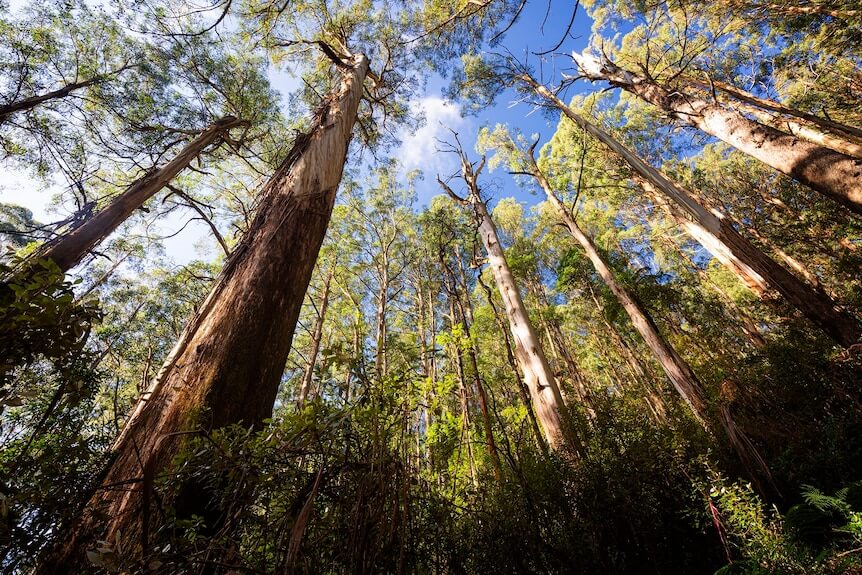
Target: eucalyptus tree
678,371
210,380
547,401
827,171
715,230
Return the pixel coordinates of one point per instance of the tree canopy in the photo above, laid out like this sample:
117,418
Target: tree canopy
484,286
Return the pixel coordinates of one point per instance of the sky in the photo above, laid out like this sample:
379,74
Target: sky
540,27
528,35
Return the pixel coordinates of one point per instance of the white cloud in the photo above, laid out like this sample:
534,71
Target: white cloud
420,148
22,189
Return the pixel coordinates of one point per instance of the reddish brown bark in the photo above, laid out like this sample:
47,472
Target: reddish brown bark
227,366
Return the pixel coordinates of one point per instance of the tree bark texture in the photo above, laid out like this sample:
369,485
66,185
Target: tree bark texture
227,366
822,169
716,233
538,377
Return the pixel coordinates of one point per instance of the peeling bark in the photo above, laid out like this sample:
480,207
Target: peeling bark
547,400
227,366
833,174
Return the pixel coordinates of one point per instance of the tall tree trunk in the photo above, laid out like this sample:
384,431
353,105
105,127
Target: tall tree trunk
824,170
523,392
316,337
724,239
226,367
68,249
380,364
467,323
756,283
559,346
825,124
678,371
463,396
538,376
747,324
800,129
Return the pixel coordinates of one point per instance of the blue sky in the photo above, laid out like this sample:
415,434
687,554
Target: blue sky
539,28
528,35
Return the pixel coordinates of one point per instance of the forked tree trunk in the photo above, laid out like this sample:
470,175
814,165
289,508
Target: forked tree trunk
316,338
226,367
824,170
546,398
68,249
796,127
720,237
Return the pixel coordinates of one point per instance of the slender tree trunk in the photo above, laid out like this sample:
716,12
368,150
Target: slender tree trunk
227,365
463,396
538,376
316,337
380,363
523,392
467,322
7,110
746,322
724,239
824,170
678,371
68,249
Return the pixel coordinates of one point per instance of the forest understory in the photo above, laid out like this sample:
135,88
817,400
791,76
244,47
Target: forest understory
428,286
